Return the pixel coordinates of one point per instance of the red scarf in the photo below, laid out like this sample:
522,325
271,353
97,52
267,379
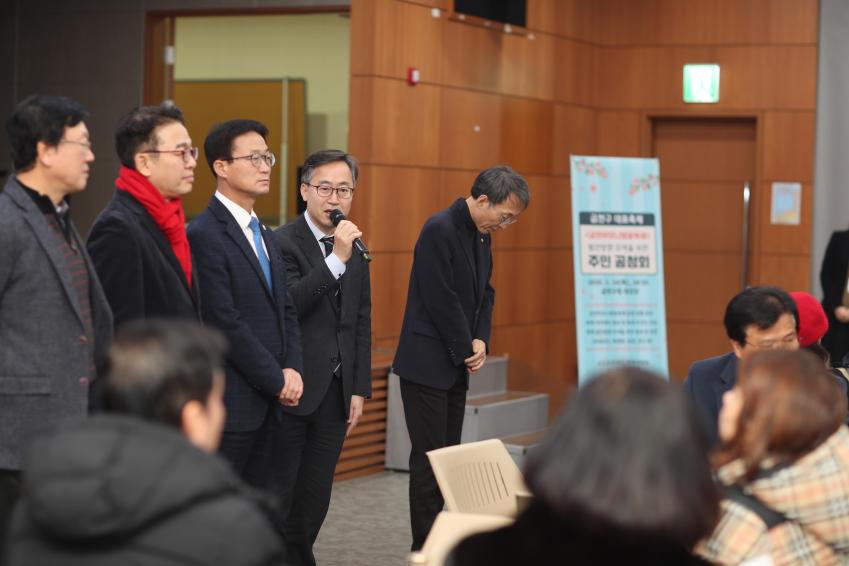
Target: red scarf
168,214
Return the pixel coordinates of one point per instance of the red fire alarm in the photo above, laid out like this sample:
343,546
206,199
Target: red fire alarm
413,76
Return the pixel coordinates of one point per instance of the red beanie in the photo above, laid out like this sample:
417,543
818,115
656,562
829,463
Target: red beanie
813,323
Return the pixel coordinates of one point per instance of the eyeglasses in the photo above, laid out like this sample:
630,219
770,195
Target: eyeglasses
786,343
257,159
507,220
344,192
186,152
84,144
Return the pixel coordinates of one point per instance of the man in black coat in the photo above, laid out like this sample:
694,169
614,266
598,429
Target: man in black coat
447,324
244,294
139,484
329,282
138,242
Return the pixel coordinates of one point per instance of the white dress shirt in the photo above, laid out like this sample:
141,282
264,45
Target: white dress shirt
243,219
334,264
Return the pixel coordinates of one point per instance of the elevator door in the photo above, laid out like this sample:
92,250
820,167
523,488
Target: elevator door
704,165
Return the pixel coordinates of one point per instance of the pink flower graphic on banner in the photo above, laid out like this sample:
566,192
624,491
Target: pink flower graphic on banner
643,184
591,168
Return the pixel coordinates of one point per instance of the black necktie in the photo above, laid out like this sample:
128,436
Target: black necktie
328,245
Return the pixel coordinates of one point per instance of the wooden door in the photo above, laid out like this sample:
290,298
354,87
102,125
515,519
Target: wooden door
280,105
704,164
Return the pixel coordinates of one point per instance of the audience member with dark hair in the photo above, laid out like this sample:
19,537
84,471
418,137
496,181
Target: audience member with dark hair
758,318
138,242
784,461
833,279
623,477
138,484
55,323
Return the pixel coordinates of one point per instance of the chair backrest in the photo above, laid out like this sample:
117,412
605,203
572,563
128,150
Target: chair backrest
450,528
478,477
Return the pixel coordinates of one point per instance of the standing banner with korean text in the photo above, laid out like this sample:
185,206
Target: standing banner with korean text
617,241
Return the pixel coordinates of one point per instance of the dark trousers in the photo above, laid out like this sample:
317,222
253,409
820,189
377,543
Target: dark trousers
306,449
434,420
10,492
249,452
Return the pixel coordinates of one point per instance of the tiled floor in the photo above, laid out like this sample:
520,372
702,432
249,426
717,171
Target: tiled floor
368,523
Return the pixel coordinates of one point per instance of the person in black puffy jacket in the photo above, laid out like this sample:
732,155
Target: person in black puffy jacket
140,483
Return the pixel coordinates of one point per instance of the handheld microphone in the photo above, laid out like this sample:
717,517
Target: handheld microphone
336,216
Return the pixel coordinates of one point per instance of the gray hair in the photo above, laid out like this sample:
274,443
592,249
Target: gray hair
499,182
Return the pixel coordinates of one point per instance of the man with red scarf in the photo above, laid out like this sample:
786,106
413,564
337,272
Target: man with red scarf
138,242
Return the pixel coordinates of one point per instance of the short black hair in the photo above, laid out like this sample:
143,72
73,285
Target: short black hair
40,118
219,141
135,130
325,156
628,456
762,306
156,366
499,182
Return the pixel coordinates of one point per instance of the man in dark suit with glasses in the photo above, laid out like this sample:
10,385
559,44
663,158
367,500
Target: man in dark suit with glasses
329,282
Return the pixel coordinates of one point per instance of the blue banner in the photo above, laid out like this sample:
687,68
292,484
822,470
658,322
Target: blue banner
617,242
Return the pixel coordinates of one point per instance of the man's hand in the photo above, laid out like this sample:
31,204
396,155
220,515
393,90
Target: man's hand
476,360
841,313
356,412
343,239
293,388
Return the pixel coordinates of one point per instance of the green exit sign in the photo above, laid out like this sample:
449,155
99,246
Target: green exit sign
701,83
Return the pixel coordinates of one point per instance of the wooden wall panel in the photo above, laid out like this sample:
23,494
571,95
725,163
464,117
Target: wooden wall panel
526,134
399,201
546,223
618,133
576,19
689,300
519,277
780,238
788,146
691,341
479,66
390,277
526,64
712,149
790,272
389,36
651,77
718,22
574,71
470,128
574,133
406,117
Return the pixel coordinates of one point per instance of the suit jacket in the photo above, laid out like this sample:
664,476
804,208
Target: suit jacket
261,325
45,356
833,279
137,267
326,332
707,381
449,300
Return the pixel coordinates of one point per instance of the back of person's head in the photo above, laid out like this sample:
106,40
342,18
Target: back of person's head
628,456
500,182
40,118
168,371
325,156
218,144
136,130
791,403
759,306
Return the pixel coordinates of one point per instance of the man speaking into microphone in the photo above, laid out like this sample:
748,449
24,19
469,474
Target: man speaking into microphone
328,277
